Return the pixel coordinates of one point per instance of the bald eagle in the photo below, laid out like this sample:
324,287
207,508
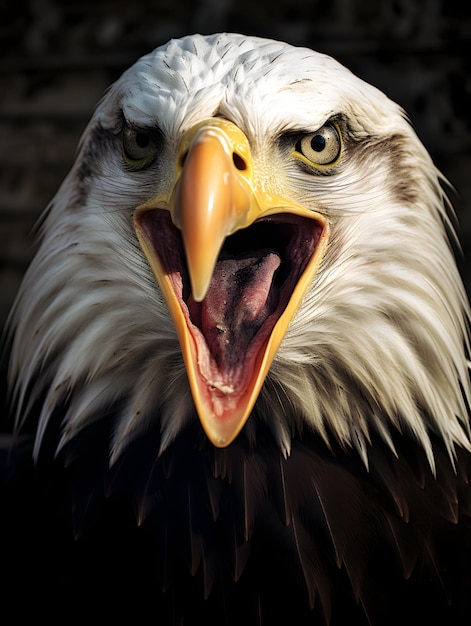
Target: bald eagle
237,365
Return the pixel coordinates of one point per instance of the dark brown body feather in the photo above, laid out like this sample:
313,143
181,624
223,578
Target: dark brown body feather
240,535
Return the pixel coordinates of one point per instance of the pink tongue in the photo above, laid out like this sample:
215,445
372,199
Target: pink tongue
236,305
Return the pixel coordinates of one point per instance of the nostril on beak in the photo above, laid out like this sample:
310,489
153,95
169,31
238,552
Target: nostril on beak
239,162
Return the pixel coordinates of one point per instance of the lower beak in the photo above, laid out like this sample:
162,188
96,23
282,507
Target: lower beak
214,197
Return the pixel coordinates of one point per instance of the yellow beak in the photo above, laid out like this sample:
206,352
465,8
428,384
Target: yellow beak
229,326
213,198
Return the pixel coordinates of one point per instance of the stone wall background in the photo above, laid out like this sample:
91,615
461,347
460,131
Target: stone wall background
57,57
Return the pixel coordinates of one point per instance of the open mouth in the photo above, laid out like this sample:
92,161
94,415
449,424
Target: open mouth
253,281
233,259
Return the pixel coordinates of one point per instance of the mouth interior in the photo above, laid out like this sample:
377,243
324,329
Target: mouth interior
255,275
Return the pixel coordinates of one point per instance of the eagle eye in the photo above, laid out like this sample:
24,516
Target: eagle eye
139,146
320,148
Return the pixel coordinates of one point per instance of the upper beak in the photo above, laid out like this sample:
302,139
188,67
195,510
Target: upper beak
213,196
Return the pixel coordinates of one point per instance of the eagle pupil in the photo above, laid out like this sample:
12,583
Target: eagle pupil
142,140
318,143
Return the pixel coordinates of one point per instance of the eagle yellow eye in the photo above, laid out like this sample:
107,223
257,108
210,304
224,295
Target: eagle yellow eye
138,146
321,148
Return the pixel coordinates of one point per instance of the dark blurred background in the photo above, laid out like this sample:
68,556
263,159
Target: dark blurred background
58,56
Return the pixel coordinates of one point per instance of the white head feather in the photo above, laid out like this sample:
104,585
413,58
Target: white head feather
380,339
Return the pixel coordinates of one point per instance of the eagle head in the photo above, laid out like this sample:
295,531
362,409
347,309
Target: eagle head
249,234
